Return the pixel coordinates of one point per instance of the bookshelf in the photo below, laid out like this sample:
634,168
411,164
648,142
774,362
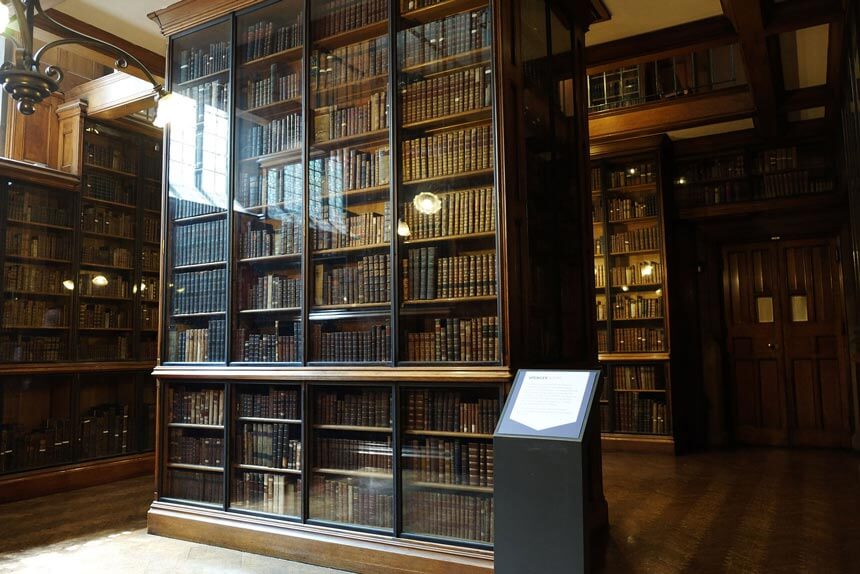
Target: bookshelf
631,297
340,231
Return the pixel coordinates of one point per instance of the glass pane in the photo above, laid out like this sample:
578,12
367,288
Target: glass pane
105,404
349,186
636,272
150,202
269,206
598,216
447,459
447,215
38,279
198,171
194,468
764,309
799,309
640,399
36,427
267,464
351,474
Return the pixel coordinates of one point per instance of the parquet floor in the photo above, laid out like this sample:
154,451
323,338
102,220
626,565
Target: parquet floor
750,511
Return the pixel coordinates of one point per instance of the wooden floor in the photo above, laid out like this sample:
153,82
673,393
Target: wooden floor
765,511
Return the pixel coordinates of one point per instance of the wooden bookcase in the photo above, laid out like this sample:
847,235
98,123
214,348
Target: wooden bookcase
632,294
78,329
367,231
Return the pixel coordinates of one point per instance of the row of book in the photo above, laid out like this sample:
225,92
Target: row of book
150,259
365,281
149,289
262,38
469,340
460,516
183,208
148,318
50,443
208,96
270,445
636,377
24,278
642,273
151,229
202,61
111,156
202,406
268,492
426,277
595,180
774,160
366,408
353,454
104,348
33,207
605,422
635,413
449,94
37,244
274,404
336,122
200,242
32,349
279,237
639,339
281,186
205,487
450,411
281,134
98,316
108,222
790,184
713,168
349,169
446,38
599,275
463,212
621,209
372,345
600,309
199,345
111,285
334,229
270,347
97,252
347,65
643,239
151,196
449,462
109,188
273,291
637,307
30,313
640,174
339,16
186,448
199,292
351,501
448,153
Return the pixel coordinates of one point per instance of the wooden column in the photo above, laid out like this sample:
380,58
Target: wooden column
71,136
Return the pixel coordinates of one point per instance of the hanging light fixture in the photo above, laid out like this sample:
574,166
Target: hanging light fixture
29,82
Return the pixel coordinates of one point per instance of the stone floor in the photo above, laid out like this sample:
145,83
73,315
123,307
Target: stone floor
750,510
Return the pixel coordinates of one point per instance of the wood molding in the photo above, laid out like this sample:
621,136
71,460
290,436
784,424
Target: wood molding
335,548
352,374
71,138
600,12
154,62
811,97
114,96
19,170
631,146
34,138
798,14
41,483
187,14
673,114
682,39
60,368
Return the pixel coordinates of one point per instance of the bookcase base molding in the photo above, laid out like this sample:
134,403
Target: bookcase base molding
74,477
331,547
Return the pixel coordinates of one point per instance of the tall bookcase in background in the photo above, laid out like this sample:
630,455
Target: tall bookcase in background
338,338
79,321
631,297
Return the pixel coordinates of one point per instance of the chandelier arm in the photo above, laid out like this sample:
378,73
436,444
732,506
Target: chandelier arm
122,60
24,28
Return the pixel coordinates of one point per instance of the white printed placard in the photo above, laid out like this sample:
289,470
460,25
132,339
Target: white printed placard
548,399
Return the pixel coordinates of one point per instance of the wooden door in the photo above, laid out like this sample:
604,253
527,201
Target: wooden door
786,344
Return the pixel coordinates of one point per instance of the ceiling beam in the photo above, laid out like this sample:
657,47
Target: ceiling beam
155,63
798,14
682,39
804,98
748,19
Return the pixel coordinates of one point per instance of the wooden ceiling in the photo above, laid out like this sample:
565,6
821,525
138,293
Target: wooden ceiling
780,41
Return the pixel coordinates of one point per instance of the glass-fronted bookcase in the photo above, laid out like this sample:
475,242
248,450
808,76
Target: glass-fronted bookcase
631,298
334,354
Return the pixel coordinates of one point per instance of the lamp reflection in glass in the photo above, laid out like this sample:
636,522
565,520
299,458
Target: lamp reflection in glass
170,108
427,203
647,269
625,288
403,229
69,285
100,281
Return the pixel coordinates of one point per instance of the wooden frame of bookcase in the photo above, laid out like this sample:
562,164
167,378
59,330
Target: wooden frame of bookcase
354,548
